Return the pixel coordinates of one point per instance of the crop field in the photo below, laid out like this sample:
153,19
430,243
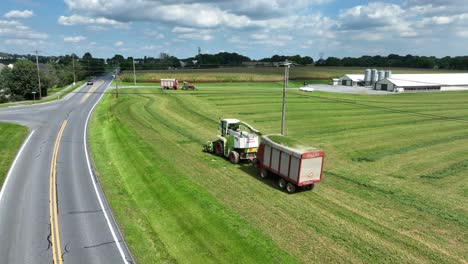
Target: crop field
11,137
395,183
257,74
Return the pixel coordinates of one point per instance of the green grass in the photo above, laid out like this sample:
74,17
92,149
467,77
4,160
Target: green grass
284,140
11,137
165,216
394,188
258,74
54,94
63,91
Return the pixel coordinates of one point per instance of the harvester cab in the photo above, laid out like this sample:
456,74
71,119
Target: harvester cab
237,141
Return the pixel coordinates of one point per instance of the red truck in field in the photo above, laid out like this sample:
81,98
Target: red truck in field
297,167
173,84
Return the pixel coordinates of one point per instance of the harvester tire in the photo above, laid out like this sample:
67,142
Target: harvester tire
290,188
281,183
234,157
219,148
263,173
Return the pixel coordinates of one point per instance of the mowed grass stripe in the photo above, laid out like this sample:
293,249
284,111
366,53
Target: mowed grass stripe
361,212
188,129
188,225
11,138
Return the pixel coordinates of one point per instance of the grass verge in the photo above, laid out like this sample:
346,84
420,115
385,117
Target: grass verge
63,91
11,137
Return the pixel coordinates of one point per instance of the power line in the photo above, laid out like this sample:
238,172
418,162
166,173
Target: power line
38,73
134,74
74,72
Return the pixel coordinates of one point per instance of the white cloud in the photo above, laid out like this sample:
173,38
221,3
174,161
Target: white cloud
118,44
463,33
373,15
152,47
436,7
201,14
193,33
19,14
74,39
23,42
6,23
154,34
15,30
98,23
152,10
183,30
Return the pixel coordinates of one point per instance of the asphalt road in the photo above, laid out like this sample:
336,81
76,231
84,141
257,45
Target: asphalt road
52,209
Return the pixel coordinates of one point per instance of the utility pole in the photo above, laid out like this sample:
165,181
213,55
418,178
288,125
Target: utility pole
134,74
74,72
116,86
286,78
199,57
38,73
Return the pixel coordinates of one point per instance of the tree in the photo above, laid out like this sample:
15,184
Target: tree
22,80
87,56
333,61
117,60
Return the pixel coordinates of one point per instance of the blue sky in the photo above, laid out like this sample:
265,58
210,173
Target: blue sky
255,28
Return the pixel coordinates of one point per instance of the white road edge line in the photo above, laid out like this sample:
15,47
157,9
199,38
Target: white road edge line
111,228
10,171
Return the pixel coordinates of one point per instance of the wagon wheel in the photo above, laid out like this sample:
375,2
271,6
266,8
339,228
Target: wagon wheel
219,148
263,174
281,183
234,157
290,188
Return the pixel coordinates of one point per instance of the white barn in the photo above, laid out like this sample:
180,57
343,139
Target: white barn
424,82
351,79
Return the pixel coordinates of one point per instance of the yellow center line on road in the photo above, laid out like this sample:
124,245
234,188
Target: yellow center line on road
54,227
95,86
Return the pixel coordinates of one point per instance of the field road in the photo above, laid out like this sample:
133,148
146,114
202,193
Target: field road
52,209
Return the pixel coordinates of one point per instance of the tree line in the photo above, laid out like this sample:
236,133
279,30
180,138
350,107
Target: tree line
21,81
394,60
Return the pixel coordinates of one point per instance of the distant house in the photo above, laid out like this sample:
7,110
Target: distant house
11,66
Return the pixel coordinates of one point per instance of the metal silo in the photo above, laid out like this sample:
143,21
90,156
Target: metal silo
374,76
367,77
381,75
388,74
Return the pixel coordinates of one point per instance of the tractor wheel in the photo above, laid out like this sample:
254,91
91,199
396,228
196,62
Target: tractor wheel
255,162
281,183
234,157
263,173
290,188
219,148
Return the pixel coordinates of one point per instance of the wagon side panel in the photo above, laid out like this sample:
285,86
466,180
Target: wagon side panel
284,170
294,171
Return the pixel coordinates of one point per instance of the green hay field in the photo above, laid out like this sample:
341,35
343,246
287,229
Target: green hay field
394,190
257,74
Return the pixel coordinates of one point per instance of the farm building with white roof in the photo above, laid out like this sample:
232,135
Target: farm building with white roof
351,79
386,81
424,82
